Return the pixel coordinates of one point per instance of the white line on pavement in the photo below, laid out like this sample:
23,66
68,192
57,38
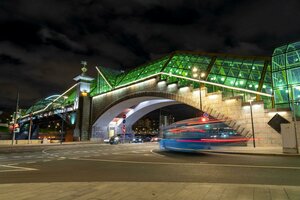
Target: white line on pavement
156,153
15,168
31,162
190,164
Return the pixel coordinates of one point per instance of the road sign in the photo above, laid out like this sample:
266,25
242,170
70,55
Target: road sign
205,115
124,116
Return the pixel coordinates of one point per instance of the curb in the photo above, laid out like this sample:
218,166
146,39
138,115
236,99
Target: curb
253,153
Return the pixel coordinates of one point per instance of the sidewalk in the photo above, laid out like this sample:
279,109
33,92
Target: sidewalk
274,151
146,190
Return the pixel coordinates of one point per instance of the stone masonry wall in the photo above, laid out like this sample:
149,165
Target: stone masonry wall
235,113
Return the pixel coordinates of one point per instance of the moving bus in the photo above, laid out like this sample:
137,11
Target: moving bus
199,133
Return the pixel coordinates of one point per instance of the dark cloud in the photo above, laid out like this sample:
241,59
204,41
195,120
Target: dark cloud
7,59
42,42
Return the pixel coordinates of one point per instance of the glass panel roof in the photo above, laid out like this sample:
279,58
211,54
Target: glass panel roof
143,71
41,104
293,46
280,50
183,65
287,48
235,71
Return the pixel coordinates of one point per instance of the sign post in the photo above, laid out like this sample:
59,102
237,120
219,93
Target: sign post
124,127
205,115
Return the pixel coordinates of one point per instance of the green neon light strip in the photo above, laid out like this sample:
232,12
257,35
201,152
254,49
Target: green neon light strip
217,84
200,81
103,77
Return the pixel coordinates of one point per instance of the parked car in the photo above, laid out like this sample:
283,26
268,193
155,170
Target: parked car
137,140
155,139
128,137
114,140
147,139
106,140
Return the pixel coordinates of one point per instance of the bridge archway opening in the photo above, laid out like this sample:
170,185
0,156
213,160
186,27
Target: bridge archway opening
111,121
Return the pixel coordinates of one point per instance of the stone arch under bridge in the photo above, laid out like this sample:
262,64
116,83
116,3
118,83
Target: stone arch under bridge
233,111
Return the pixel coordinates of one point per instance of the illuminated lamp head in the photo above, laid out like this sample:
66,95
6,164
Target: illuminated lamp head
84,93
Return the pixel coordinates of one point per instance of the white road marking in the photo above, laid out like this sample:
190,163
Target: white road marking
31,162
13,164
156,153
17,156
191,164
15,169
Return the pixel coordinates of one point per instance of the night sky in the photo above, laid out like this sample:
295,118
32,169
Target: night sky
43,41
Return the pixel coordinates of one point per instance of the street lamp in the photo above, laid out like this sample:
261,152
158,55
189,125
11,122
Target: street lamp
62,121
197,73
30,126
15,120
251,114
295,120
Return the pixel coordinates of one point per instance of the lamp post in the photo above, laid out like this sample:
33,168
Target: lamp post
15,120
62,121
197,73
251,114
30,126
295,120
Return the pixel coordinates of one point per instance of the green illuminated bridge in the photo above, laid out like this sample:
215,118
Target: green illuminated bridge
95,106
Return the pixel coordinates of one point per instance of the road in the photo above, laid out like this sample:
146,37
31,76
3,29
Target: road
141,163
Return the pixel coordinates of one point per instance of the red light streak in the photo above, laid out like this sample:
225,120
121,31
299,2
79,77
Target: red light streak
216,140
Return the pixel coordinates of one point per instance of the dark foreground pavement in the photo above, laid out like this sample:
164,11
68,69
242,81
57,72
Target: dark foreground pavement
146,190
131,190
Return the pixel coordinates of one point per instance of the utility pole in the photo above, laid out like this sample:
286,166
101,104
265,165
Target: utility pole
295,121
252,124
63,118
15,120
30,127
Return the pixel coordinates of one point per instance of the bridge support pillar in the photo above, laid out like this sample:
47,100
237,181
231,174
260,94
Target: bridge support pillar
83,118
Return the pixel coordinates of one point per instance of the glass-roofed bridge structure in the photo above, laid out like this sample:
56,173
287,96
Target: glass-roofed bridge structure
231,74
272,82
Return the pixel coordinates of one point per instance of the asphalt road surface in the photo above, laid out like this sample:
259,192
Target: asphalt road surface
141,163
